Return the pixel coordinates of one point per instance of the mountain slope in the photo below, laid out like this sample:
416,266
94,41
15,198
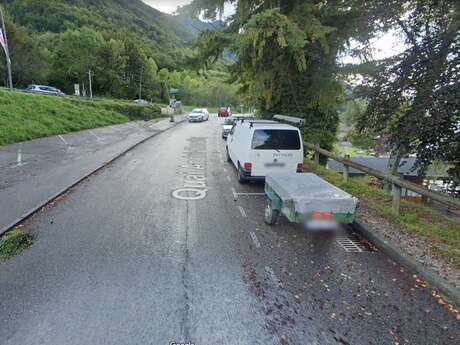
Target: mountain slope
165,34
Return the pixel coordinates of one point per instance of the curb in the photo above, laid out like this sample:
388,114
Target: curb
450,292
37,208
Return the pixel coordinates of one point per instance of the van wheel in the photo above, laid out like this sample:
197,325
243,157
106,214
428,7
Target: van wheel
271,215
241,178
228,157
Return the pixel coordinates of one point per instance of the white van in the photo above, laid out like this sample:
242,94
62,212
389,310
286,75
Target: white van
258,147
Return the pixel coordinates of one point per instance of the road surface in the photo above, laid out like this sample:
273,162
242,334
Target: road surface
34,171
125,259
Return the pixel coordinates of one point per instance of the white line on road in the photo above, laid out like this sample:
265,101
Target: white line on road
94,135
229,179
19,158
63,140
225,169
235,196
255,239
243,213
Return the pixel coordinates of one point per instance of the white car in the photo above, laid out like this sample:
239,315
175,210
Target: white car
46,90
257,148
198,115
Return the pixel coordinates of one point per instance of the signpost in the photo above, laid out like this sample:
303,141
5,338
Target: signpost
4,44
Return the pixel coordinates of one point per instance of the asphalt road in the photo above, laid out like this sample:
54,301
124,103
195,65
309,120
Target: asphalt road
123,259
34,171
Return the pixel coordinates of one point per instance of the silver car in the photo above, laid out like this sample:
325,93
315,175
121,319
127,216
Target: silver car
198,115
46,90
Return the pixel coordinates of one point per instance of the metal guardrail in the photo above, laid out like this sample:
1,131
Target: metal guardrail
397,182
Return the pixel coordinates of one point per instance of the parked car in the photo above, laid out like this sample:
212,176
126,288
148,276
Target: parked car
198,115
258,147
224,112
141,101
230,121
46,90
227,126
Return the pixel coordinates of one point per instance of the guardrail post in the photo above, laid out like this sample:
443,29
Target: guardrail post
346,170
316,157
396,199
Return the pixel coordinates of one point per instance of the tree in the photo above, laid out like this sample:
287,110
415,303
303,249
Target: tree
414,97
287,53
75,55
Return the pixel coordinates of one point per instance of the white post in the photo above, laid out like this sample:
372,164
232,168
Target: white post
7,51
90,84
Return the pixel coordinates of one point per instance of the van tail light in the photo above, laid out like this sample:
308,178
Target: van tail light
328,216
300,167
316,216
322,216
248,166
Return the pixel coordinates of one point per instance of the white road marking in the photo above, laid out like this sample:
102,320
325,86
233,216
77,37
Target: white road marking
63,140
19,158
235,196
255,239
225,169
229,179
243,213
94,135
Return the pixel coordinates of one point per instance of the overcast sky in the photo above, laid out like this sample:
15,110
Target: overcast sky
168,6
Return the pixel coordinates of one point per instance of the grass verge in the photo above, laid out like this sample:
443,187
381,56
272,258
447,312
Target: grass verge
14,243
442,233
26,116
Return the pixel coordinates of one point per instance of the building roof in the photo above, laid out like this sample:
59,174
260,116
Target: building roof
406,168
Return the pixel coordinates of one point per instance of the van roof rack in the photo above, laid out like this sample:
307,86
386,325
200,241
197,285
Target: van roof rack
290,120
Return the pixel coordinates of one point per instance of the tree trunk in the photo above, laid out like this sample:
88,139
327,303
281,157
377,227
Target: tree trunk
392,167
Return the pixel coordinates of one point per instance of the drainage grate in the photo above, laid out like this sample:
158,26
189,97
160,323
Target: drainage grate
351,244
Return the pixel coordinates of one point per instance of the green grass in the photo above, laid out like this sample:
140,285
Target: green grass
442,233
27,116
14,243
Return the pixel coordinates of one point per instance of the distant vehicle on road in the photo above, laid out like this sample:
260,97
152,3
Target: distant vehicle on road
198,115
230,122
224,112
46,90
259,147
141,101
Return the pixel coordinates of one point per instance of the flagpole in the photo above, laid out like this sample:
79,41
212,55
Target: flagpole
7,51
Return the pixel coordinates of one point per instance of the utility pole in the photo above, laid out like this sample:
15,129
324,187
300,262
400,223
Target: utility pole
7,51
140,82
90,77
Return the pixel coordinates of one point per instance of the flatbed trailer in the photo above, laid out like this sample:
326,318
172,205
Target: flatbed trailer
309,199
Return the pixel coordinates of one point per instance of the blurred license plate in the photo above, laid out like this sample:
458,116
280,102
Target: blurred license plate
275,165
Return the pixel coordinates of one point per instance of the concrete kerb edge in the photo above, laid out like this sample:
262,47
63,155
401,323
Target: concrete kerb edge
447,290
37,208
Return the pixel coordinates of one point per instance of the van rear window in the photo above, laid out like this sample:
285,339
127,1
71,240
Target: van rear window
275,139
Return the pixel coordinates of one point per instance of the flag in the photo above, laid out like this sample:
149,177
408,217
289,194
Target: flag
2,40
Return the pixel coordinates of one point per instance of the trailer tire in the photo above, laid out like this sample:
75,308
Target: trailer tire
271,215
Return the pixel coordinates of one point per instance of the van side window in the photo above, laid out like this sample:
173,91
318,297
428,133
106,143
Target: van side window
276,139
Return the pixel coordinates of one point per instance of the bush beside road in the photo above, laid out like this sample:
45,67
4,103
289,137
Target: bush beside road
27,116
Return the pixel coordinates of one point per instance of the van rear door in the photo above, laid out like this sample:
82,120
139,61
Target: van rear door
275,150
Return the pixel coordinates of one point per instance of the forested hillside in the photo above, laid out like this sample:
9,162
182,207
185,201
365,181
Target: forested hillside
123,42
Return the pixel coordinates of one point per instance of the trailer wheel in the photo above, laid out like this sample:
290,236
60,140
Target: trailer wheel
271,215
